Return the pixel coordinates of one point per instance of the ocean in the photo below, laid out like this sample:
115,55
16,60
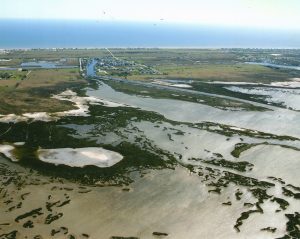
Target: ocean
93,34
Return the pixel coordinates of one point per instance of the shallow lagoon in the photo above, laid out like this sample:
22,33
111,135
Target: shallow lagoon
278,121
177,154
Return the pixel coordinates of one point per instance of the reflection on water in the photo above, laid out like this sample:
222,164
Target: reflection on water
274,65
39,65
90,70
177,110
45,65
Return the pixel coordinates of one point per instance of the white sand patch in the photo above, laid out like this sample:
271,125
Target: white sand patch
237,128
39,116
214,127
160,82
294,83
97,101
36,116
12,118
102,71
181,85
6,150
80,157
67,93
233,83
165,83
19,143
82,103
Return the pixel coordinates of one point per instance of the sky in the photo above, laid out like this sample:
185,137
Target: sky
271,14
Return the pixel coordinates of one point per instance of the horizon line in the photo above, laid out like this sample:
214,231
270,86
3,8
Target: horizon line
158,48
164,22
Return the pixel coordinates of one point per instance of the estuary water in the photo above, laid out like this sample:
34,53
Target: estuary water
97,33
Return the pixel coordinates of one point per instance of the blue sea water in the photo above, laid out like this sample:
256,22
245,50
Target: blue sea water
89,34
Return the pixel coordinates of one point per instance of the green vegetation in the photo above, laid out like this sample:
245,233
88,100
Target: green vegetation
10,78
230,131
209,64
216,72
282,203
54,54
31,91
5,75
241,147
292,226
239,166
196,64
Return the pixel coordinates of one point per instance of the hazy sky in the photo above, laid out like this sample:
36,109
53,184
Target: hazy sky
254,13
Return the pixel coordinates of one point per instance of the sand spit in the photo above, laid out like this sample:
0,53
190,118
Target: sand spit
232,83
39,116
181,85
19,143
12,118
291,83
166,83
80,157
294,83
82,104
6,150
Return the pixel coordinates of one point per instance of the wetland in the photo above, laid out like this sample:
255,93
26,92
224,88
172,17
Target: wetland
147,143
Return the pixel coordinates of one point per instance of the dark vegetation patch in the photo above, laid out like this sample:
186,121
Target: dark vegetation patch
229,131
239,166
290,193
11,235
241,147
292,226
32,213
48,135
269,229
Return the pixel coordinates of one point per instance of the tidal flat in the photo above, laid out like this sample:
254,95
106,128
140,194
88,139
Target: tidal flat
119,156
